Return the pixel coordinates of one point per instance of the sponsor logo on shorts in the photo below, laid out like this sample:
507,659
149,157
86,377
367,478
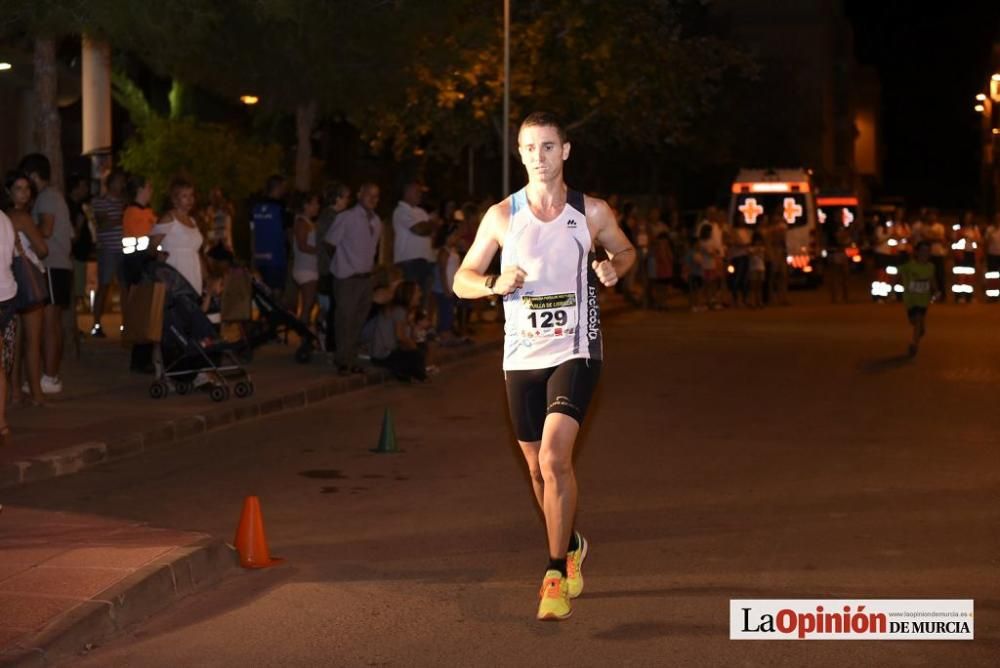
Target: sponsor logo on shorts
564,402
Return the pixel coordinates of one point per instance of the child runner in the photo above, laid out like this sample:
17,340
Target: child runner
917,278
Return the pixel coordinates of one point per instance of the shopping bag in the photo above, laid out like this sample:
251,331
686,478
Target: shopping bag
236,296
143,314
32,288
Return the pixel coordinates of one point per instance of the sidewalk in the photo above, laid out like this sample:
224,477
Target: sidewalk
67,580
105,412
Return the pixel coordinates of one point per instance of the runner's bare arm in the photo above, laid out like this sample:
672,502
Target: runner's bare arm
612,239
470,279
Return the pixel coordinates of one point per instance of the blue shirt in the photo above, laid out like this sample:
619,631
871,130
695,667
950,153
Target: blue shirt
267,221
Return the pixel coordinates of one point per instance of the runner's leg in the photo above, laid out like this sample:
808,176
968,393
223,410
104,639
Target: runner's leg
555,460
530,451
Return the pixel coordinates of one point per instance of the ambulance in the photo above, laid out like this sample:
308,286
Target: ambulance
840,211
757,194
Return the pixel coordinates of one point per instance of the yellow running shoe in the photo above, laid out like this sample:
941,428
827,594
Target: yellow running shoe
554,605
574,566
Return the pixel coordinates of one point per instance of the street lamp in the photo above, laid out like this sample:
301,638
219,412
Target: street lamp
5,66
506,99
249,100
981,97
979,108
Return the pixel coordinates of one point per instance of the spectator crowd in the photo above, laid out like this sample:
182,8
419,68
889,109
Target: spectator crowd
373,291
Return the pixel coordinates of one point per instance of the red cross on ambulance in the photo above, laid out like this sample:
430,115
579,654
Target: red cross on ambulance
792,210
751,210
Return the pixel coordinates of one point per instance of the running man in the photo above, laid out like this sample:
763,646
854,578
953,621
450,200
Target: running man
552,346
917,277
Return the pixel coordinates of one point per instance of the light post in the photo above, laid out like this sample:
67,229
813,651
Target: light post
506,100
993,136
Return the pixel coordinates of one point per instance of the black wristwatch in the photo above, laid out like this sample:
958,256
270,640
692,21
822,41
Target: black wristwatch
491,280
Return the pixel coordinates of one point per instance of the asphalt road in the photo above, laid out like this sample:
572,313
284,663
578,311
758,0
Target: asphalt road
785,453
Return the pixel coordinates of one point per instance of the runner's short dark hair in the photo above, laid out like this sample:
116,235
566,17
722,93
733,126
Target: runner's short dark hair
545,119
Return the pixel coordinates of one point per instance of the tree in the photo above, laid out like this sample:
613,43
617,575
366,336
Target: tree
139,25
640,78
209,154
301,57
49,128
304,58
29,22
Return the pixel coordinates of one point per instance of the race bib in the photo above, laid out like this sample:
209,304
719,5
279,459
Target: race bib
919,287
549,315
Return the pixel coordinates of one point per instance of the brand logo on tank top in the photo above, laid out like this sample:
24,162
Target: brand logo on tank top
592,317
571,222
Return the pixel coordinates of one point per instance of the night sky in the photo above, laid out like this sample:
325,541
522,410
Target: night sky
931,65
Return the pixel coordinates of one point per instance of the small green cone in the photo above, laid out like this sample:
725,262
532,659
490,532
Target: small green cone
387,439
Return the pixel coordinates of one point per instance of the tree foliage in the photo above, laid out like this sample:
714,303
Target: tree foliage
656,76
209,154
288,52
636,78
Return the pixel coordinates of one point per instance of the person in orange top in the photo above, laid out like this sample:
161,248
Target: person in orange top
137,222
139,219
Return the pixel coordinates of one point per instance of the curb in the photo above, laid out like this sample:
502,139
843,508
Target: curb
79,457
183,571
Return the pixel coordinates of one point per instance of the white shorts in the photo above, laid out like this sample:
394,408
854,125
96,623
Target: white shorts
303,277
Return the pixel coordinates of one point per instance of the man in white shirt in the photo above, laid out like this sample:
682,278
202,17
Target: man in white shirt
354,236
51,214
937,235
412,251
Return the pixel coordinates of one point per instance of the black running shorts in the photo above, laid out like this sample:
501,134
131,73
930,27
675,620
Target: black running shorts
60,287
915,312
533,394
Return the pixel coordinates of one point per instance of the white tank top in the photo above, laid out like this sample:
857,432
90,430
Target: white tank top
555,316
307,263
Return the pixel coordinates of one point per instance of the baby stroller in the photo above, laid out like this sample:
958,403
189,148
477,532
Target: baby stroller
275,321
189,355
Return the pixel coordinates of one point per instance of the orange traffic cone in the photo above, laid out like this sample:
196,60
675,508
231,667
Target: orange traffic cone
250,540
